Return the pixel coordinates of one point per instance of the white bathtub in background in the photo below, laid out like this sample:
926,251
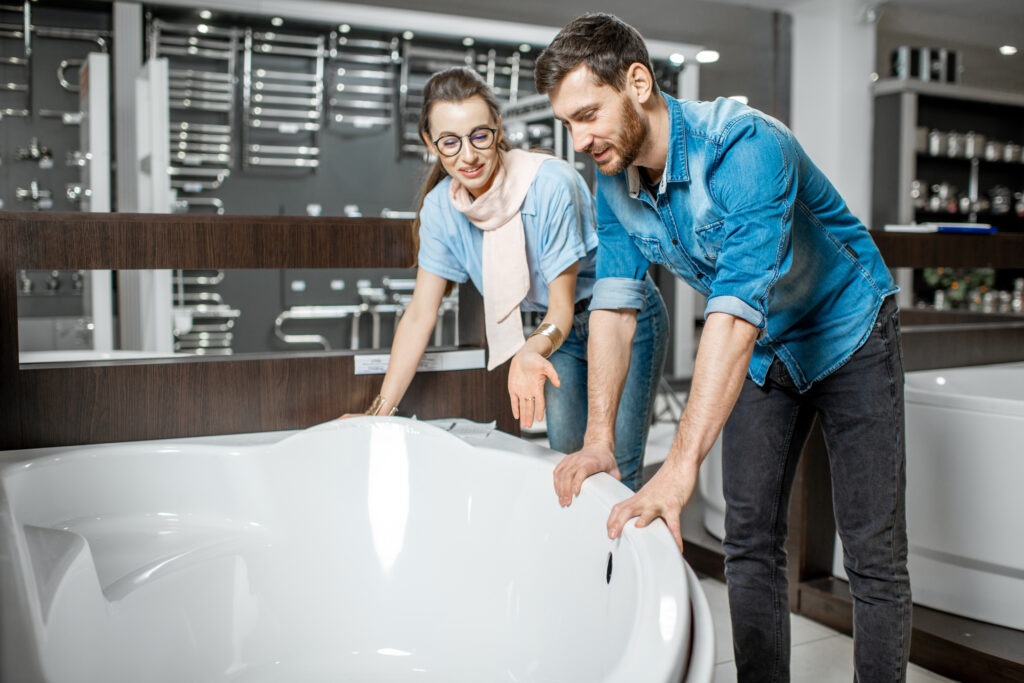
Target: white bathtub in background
710,481
373,549
965,491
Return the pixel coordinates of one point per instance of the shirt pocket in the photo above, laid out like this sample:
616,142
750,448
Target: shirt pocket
650,248
710,238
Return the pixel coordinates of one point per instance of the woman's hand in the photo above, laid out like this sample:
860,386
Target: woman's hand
526,376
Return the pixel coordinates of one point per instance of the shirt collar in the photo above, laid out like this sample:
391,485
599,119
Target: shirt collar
676,169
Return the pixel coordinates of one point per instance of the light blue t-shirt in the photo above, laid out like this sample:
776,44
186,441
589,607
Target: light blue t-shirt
558,219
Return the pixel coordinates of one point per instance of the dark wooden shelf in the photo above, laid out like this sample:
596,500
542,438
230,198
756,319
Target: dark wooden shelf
910,250
925,156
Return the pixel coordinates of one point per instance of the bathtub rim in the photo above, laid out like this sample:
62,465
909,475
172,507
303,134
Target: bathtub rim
919,393
18,623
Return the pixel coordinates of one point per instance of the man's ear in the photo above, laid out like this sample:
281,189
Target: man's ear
639,82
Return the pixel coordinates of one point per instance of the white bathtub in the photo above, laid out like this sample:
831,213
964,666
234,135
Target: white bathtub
372,549
965,491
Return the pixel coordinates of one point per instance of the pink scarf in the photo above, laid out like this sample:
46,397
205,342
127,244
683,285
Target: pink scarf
505,270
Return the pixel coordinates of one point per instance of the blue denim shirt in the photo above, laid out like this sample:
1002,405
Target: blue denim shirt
745,217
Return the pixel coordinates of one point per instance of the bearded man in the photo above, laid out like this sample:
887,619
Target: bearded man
800,322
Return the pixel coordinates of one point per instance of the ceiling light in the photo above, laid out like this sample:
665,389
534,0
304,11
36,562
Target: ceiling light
408,35
707,56
525,47
1008,50
467,42
203,28
205,14
742,99
276,21
344,28
676,58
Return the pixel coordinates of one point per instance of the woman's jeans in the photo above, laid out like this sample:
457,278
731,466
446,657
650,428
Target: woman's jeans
860,408
567,405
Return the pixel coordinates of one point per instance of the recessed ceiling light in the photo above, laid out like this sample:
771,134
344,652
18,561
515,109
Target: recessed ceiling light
276,21
205,14
676,58
1008,50
742,99
707,56
467,41
344,28
408,35
525,47
203,28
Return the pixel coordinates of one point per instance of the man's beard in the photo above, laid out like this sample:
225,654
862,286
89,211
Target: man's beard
629,143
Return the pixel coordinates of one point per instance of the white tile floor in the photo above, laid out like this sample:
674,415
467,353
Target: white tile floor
818,654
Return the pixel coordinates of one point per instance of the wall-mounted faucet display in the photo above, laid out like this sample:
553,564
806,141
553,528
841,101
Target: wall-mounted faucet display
41,199
37,153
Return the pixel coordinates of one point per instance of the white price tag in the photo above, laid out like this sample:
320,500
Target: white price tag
436,361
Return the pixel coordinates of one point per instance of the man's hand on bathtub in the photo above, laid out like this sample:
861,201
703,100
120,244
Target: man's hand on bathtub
665,496
576,467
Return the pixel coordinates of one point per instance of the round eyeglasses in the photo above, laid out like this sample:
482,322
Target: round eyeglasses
481,138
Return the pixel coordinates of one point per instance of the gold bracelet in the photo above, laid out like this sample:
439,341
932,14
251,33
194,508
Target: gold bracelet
378,403
553,334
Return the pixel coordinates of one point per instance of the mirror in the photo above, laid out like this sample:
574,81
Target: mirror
139,315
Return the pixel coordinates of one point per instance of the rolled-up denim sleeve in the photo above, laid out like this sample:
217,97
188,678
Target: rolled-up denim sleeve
753,180
621,268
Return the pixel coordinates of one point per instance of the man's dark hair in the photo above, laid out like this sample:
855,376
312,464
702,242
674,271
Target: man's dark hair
605,43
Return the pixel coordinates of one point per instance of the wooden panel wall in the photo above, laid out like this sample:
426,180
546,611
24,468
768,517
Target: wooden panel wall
902,250
101,401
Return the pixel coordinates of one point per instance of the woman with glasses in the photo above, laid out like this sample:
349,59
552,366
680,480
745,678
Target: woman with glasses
521,226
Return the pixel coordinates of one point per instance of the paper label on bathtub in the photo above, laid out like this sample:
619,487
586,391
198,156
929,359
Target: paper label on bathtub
437,361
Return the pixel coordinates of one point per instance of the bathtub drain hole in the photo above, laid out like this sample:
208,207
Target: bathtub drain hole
608,573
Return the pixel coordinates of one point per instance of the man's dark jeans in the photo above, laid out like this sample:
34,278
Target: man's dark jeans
860,407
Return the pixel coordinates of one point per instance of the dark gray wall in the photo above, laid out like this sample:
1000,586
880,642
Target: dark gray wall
353,170
754,46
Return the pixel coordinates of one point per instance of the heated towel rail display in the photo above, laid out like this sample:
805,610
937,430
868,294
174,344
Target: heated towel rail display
282,99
